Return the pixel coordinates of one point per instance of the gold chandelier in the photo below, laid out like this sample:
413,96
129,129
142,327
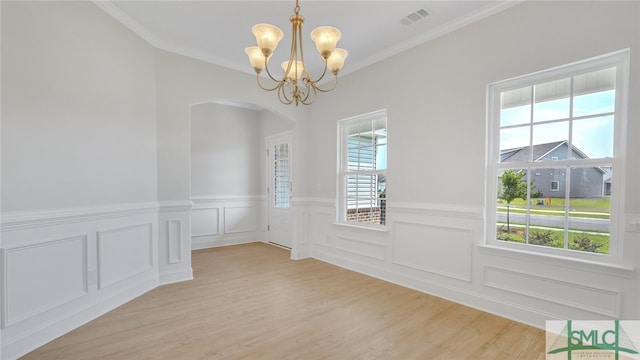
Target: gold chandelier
296,84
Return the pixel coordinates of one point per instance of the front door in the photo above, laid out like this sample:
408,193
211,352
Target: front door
279,189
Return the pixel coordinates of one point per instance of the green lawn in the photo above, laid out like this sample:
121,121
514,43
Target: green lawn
591,241
555,238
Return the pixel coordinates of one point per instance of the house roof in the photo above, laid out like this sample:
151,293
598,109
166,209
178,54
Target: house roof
521,154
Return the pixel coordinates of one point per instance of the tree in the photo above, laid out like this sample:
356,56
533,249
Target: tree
514,186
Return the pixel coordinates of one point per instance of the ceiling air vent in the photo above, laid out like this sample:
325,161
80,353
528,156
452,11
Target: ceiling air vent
413,17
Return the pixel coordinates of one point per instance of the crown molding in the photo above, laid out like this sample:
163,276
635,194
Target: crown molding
127,21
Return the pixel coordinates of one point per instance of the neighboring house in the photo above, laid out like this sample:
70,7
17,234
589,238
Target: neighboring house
587,182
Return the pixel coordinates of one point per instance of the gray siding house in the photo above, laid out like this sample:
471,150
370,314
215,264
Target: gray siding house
586,182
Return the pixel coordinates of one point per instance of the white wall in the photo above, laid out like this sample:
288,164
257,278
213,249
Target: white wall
225,151
79,169
436,175
78,109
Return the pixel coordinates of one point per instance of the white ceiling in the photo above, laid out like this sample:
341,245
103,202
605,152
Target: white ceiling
218,31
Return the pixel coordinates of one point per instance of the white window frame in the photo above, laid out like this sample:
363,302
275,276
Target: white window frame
557,185
620,59
343,171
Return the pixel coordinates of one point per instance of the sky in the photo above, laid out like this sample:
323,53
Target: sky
593,134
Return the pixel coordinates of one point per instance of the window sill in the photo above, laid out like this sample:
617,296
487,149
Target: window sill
380,229
600,267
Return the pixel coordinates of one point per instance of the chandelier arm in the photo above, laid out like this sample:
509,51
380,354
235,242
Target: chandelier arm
296,27
335,83
311,88
283,95
266,67
279,84
324,71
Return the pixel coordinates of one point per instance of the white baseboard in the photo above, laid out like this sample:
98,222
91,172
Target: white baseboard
56,327
170,277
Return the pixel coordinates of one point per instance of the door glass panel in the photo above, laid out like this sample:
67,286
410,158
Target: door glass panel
281,180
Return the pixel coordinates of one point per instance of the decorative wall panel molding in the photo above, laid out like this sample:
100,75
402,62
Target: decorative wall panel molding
227,220
205,221
30,219
581,297
360,247
321,233
42,276
114,264
436,210
100,257
199,200
435,249
174,246
175,206
174,234
240,219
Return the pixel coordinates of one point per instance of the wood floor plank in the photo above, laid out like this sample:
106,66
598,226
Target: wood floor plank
252,302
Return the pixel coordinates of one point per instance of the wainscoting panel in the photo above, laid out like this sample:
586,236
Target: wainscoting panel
114,264
219,221
59,277
205,222
174,234
322,228
240,219
65,267
436,249
174,245
581,297
302,220
360,247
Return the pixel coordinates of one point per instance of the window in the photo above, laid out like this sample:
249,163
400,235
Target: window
281,177
363,168
554,158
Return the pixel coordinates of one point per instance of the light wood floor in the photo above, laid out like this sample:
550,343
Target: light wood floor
253,302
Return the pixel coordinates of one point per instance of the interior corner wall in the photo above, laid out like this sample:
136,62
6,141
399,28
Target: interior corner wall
225,154
226,159
183,82
228,173
79,169
436,165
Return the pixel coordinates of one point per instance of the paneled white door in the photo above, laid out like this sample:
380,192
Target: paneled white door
279,189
